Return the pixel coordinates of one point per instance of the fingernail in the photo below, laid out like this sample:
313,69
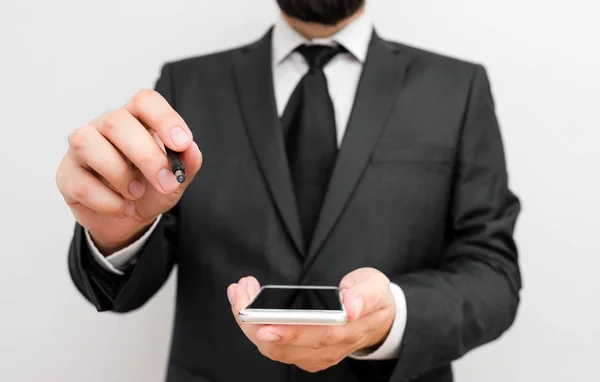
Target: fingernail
137,189
269,337
231,295
129,210
167,180
178,136
358,306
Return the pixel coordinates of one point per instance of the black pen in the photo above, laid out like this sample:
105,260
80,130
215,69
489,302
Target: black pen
176,165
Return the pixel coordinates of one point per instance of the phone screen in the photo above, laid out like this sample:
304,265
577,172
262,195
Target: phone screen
298,298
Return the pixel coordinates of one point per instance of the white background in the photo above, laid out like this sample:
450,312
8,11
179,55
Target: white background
66,61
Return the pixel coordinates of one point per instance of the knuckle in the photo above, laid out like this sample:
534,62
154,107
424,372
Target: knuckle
352,338
314,345
150,161
200,160
313,368
120,175
292,336
113,209
143,98
326,339
263,351
277,354
58,178
109,123
59,184
385,278
113,120
273,352
321,343
375,297
373,273
78,139
381,295
330,359
124,173
79,190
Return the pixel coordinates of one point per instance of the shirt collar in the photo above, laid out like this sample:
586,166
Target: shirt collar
355,37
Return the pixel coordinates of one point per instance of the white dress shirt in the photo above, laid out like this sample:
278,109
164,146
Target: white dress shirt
343,73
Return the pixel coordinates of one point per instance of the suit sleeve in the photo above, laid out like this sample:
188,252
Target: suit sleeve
123,293
472,296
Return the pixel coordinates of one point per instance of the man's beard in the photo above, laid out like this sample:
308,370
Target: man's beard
328,12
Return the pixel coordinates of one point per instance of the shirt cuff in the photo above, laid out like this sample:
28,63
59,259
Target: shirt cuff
390,349
122,259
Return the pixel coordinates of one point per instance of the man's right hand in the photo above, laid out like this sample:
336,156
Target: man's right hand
115,176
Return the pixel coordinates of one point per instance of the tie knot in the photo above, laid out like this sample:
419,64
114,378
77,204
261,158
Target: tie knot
317,56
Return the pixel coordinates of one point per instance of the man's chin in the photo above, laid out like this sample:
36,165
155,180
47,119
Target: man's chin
324,12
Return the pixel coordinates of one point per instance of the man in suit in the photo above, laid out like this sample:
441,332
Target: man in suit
332,157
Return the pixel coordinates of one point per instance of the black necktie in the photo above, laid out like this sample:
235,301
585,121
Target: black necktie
311,144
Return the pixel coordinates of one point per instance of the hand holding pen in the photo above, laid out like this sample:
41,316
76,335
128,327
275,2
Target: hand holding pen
116,178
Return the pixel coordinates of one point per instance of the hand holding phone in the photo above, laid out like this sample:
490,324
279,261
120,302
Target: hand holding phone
296,337
295,305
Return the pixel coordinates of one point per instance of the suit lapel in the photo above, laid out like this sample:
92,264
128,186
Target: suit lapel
376,97
254,78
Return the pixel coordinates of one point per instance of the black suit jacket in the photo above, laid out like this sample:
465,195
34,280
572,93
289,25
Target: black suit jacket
419,191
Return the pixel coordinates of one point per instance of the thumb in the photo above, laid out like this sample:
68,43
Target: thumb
359,276
365,291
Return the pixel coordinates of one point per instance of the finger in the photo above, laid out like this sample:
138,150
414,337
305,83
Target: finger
130,137
155,111
364,290
238,297
322,337
315,337
243,282
253,286
79,186
359,276
372,322
366,298
319,337
94,151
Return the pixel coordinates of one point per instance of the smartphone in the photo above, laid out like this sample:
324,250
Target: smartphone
295,305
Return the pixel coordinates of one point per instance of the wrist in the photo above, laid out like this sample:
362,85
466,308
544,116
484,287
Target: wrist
115,243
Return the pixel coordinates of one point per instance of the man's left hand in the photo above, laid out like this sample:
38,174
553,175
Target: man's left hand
371,310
